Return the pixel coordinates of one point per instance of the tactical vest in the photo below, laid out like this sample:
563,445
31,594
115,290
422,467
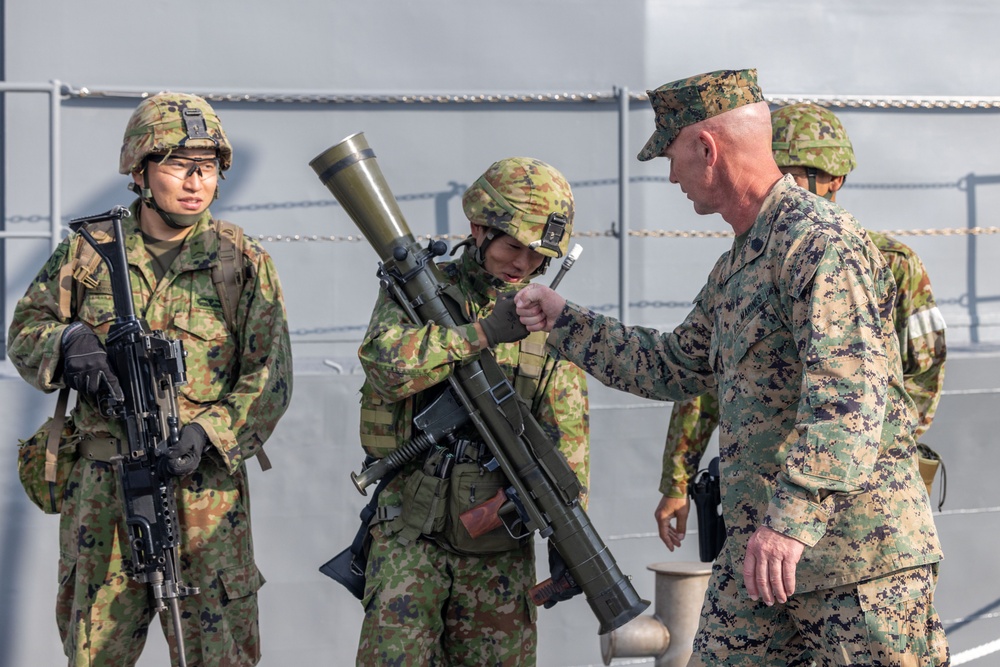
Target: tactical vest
387,426
227,276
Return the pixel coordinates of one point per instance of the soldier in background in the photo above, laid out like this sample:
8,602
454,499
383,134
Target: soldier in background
831,546
810,143
434,595
239,373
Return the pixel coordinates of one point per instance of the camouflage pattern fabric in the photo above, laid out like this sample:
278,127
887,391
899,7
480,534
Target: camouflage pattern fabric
401,360
815,433
156,126
433,607
688,101
239,385
808,135
516,196
920,330
889,621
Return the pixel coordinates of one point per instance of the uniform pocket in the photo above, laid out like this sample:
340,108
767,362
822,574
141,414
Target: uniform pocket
211,360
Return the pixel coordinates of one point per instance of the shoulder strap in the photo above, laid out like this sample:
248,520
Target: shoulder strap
227,276
79,271
228,273
531,361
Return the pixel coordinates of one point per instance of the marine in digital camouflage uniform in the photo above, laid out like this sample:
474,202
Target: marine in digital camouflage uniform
239,383
831,542
425,603
811,143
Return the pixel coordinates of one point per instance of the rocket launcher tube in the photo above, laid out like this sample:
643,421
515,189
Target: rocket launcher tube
532,464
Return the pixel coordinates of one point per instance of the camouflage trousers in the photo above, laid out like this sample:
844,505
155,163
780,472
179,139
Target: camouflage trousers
103,614
885,622
425,606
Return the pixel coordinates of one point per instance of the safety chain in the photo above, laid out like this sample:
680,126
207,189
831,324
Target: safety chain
306,97
638,233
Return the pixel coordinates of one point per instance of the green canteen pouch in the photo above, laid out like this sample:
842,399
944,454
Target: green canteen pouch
31,464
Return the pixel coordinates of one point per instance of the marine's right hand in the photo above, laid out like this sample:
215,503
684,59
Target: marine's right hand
538,307
672,509
85,364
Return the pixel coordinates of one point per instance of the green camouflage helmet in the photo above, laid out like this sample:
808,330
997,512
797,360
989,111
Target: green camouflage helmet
808,135
527,199
168,121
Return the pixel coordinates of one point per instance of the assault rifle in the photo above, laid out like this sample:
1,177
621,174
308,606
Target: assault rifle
546,489
149,367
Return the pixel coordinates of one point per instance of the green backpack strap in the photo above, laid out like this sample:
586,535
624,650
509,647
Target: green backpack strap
228,273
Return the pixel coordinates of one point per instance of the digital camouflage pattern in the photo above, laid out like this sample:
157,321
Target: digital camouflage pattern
401,360
885,622
515,196
808,135
156,127
239,385
794,329
920,330
688,101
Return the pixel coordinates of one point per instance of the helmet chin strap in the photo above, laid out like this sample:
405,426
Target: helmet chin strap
811,175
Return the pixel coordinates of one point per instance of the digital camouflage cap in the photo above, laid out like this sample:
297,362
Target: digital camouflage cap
688,101
527,199
808,135
167,121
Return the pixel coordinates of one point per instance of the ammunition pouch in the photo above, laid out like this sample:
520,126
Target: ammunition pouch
424,498
707,496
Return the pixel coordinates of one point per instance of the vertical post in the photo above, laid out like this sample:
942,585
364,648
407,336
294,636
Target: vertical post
623,196
3,190
55,140
970,263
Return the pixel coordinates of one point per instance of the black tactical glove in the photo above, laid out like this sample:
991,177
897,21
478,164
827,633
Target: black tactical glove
560,575
503,325
184,456
85,364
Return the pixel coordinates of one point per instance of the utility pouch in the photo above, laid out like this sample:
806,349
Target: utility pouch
929,461
384,426
707,497
45,460
425,498
471,486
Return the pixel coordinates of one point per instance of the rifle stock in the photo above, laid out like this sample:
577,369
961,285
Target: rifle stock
149,367
534,467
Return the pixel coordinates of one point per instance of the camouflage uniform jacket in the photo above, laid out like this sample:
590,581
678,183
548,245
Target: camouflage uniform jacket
920,329
239,383
794,325
401,360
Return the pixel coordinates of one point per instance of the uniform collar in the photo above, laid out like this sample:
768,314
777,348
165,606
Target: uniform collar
756,239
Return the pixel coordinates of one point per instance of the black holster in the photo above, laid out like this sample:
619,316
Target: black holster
705,492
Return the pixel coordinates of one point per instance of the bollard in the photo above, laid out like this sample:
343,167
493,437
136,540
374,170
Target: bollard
667,634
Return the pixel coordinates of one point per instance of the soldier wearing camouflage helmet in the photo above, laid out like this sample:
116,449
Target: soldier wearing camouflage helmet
433,595
239,381
810,143
831,550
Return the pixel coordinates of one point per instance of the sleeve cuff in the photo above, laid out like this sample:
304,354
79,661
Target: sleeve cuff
797,518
